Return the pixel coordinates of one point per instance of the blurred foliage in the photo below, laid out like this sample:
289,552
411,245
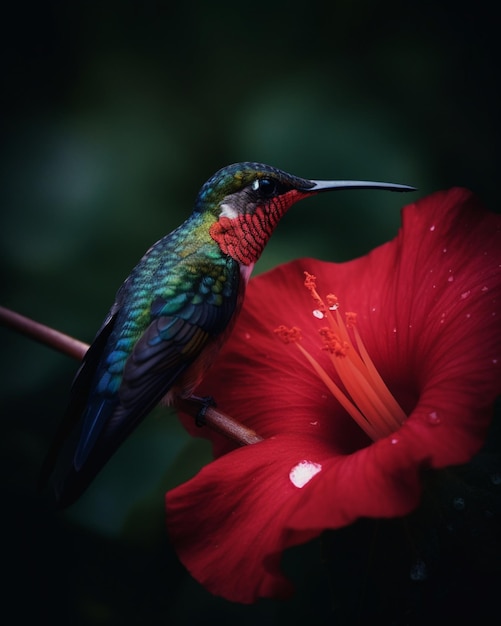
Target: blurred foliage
113,115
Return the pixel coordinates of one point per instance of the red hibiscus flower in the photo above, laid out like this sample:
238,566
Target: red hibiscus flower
351,410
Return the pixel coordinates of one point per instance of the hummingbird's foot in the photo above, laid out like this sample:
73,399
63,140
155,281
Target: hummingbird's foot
205,402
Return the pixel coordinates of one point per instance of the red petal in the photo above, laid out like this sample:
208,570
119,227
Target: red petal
229,523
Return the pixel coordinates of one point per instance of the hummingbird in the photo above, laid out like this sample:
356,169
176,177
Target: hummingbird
171,316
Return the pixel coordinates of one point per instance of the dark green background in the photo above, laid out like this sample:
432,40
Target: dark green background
113,115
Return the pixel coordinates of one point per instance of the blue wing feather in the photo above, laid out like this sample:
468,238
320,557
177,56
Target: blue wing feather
132,364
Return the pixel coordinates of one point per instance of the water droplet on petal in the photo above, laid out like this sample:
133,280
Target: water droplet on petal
318,314
334,307
432,228
247,335
450,279
458,503
494,361
393,440
303,472
496,478
485,288
465,294
418,571
434,418
444,250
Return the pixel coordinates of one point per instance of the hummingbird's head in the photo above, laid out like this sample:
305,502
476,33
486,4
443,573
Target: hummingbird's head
247,200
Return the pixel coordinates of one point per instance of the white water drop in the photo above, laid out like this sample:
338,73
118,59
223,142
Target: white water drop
434,418
334,307
458,503
418,571
485,288
303,472
432,228
450,279
496,478
318,314
444,250
465,294
393,440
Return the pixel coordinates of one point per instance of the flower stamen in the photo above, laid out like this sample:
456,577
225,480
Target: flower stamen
365,397
293,335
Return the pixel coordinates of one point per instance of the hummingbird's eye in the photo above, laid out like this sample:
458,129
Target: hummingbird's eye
265,187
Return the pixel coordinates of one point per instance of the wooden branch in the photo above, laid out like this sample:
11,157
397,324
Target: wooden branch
44,334
218,421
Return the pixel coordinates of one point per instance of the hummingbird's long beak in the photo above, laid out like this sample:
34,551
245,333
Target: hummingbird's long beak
327,185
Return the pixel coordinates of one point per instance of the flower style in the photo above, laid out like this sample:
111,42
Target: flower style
352,411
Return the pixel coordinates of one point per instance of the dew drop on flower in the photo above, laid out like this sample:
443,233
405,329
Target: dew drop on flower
444,250
465,294
303,472
247,336
393,440
418,571
432,228
450,279
496,478
433,418
334,307
458,503
485,288
318,314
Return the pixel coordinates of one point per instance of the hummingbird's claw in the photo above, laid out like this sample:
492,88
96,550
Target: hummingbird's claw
205,402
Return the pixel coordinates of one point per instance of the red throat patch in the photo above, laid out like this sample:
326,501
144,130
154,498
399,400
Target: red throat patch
245,236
